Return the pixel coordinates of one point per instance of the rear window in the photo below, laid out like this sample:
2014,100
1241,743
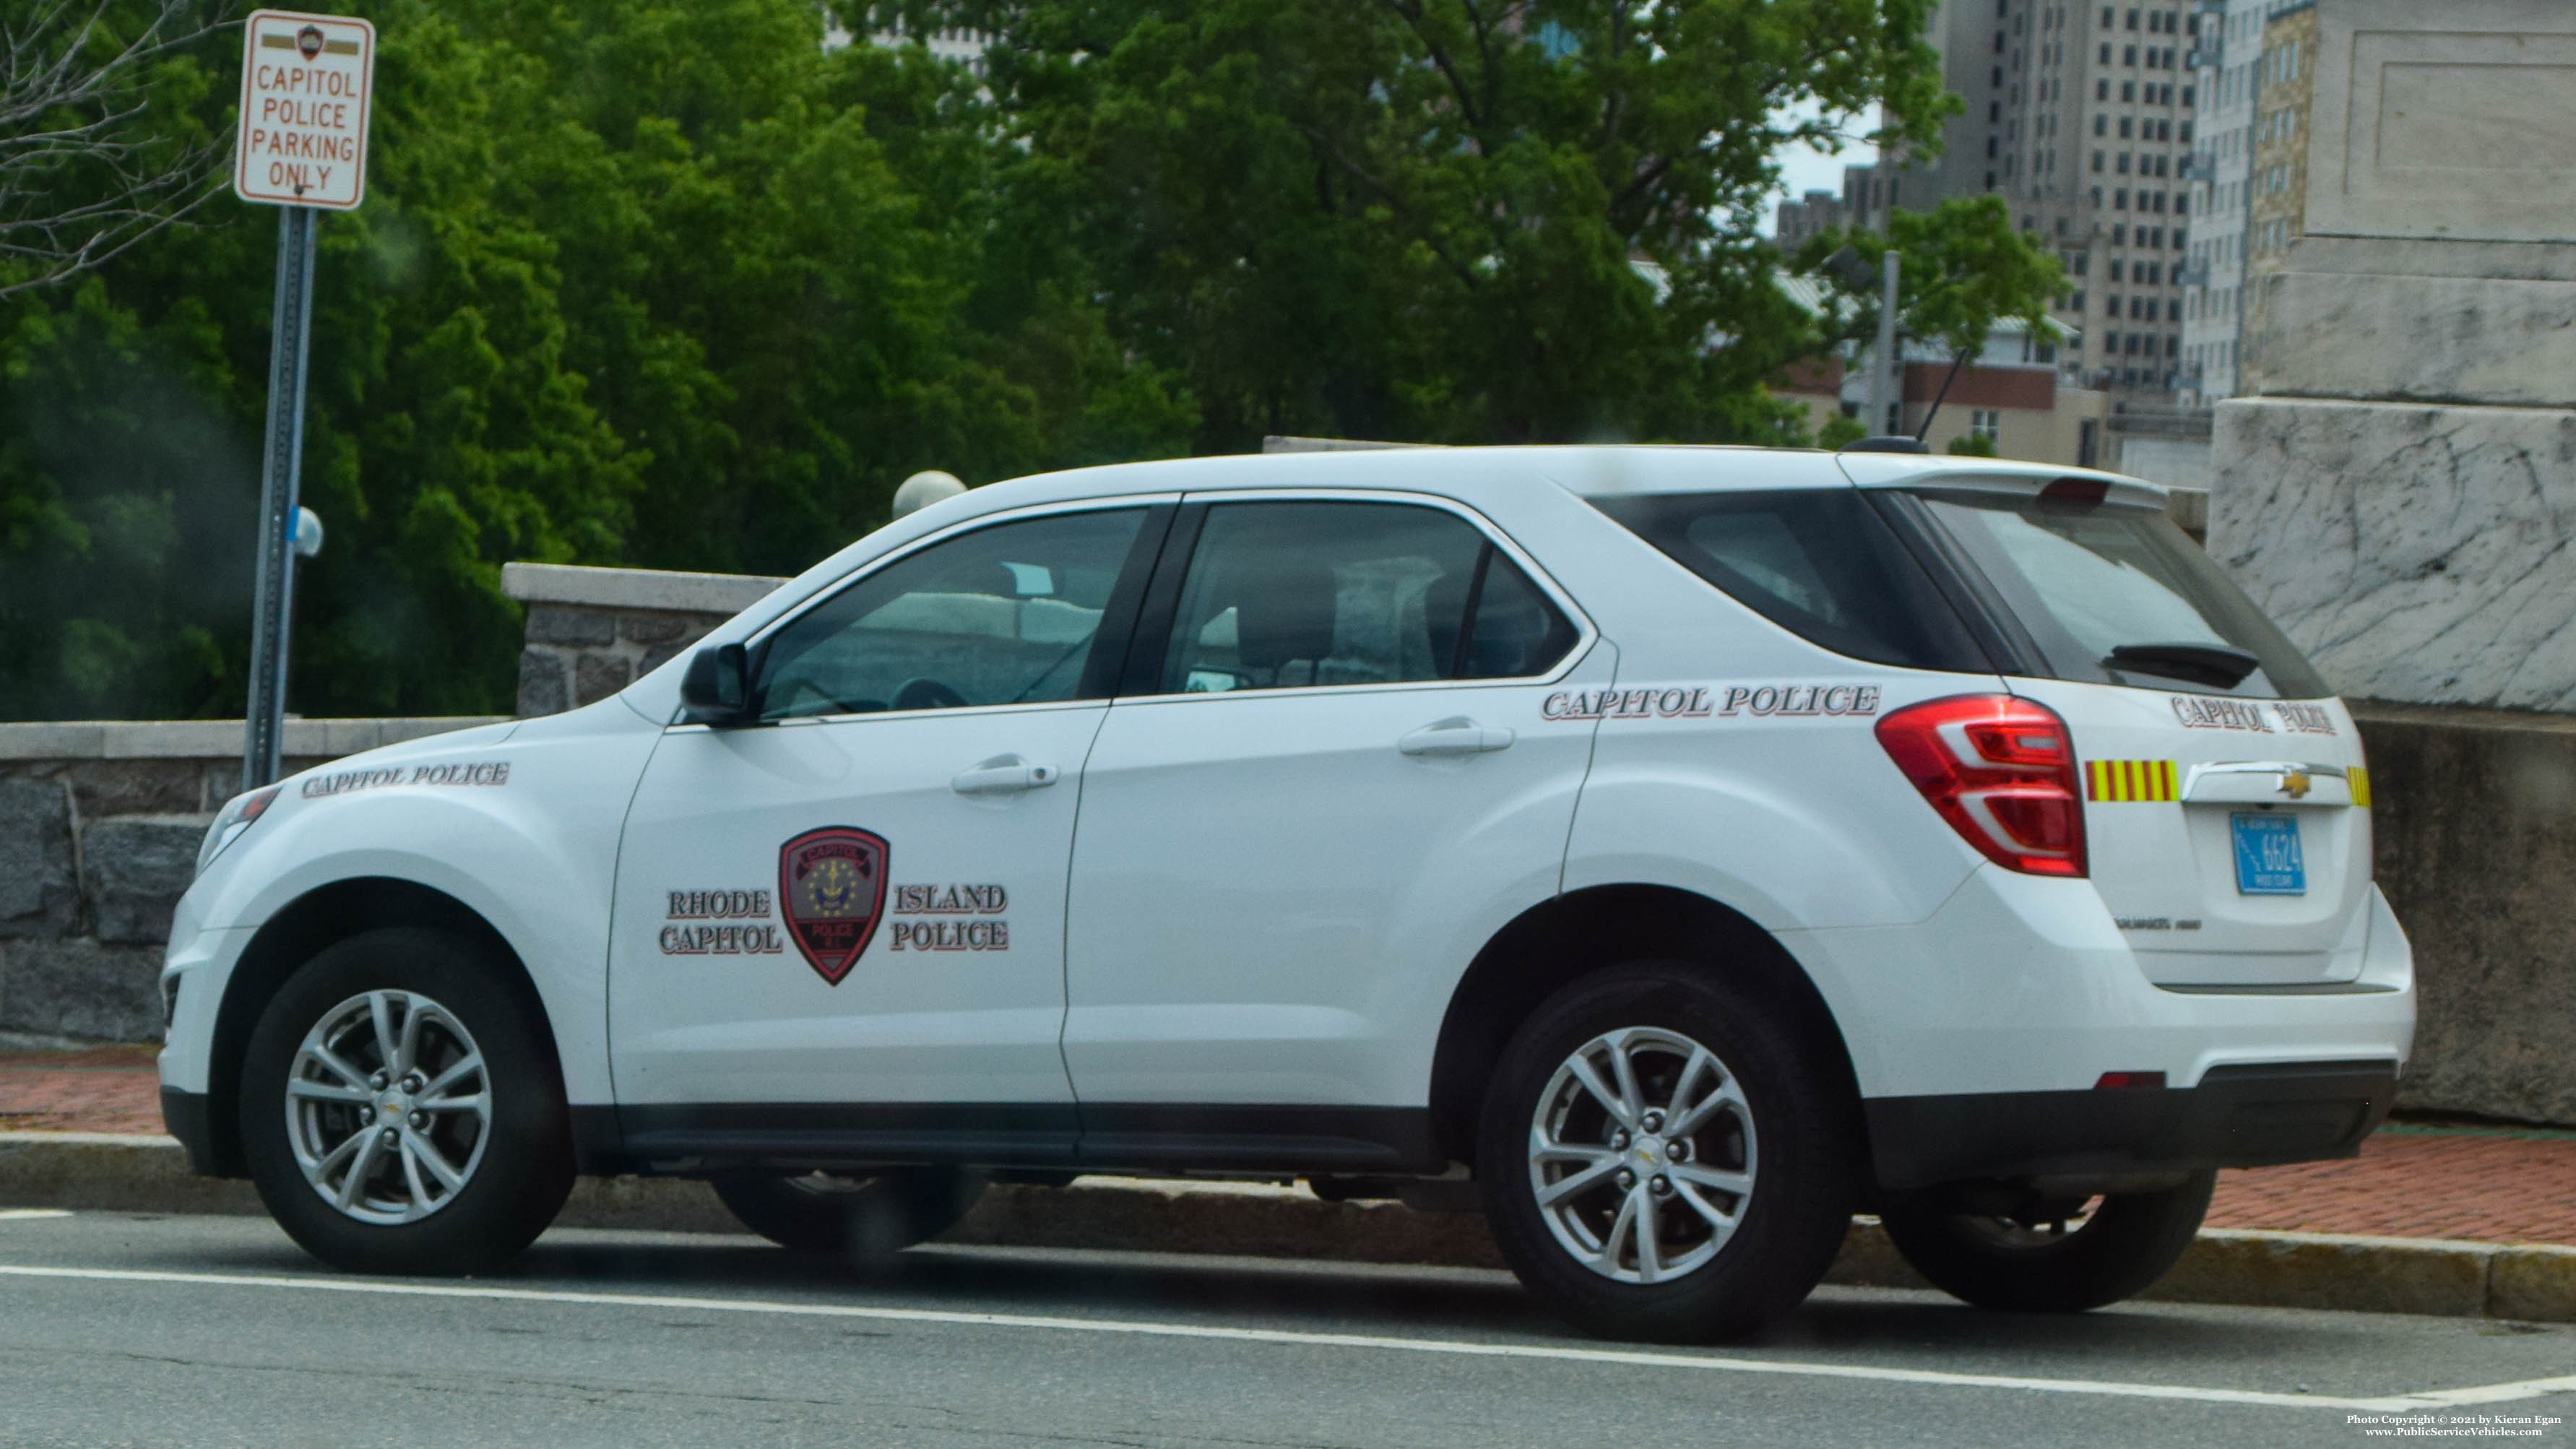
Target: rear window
2120,595
1819,563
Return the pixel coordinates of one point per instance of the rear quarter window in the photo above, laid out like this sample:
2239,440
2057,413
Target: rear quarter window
1820,563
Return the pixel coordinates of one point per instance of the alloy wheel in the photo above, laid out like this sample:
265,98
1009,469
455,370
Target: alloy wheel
1641,1155
388,1107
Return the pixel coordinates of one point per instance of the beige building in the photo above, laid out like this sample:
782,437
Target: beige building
2012,396
2286,87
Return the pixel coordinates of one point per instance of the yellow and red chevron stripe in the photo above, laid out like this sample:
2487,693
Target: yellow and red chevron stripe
2124,781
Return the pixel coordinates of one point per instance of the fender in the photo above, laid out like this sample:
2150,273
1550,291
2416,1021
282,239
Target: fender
1796,824
531,850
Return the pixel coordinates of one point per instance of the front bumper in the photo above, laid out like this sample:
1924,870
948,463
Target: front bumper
2239,1116
188,1116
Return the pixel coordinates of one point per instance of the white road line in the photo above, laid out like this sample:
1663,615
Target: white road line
2489,1393
1631,1357
16,1215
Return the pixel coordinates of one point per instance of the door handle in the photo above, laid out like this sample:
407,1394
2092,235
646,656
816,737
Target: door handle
1003,775
1457,735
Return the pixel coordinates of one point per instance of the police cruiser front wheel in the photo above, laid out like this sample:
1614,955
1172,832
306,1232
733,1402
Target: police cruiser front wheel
401,1110
1665,1155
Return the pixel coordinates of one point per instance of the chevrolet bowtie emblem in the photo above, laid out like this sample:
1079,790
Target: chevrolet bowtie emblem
2294,783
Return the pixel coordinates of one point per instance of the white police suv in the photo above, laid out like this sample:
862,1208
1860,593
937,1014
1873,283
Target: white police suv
1672,849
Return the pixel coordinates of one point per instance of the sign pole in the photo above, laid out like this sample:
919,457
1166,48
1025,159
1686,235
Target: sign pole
281,476
308,85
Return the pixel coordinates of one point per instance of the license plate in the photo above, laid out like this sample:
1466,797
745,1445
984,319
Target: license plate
2268,859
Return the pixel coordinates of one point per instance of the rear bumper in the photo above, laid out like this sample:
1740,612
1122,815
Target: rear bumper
2239,1116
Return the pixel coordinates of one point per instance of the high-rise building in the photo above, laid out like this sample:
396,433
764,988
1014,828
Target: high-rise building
2214,276
1810,215
2252,127
2079,116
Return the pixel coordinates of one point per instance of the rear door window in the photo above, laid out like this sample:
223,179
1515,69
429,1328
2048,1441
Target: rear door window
1820,563
1283,595
2117,594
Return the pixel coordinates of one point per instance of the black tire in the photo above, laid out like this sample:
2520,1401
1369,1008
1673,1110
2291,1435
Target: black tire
864,1217
1802,1149
517,1158
2125,1244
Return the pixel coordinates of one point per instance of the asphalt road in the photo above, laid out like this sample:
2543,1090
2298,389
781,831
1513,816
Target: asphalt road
120,1329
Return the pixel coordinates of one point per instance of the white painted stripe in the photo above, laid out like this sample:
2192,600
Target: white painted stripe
2491,1393
1639,1358
14,1215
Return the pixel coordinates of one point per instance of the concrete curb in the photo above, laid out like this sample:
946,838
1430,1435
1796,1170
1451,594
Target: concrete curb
133,1173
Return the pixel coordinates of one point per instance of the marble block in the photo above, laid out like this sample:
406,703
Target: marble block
2411,337
2420,554
2443,120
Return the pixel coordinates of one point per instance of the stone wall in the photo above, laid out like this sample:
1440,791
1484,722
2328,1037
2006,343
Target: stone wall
2418,553
593,631
2401,495
2475,821
99,827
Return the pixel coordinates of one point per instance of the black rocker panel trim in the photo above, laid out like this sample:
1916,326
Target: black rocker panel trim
1263,1138
986,1134
1284,1139
2239,1116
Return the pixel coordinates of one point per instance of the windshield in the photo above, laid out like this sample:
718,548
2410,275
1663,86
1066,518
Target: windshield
2120,595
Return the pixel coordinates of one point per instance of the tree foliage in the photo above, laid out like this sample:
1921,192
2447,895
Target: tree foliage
1961,271
84,171
656,284
672,283
1447,220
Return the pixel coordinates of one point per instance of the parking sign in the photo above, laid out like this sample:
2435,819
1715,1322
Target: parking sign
307,81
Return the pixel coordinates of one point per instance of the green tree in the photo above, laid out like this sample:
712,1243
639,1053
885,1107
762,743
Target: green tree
653,283
1441,219
1962,270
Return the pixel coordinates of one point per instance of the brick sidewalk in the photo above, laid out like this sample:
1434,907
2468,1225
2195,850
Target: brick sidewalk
2412,1180
103,1089
2487,1184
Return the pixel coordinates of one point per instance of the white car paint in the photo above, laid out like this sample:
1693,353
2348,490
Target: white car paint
1259,899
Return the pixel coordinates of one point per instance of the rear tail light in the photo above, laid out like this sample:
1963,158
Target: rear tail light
2001,770
2128,1081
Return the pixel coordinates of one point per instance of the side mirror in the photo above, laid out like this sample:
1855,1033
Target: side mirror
717,688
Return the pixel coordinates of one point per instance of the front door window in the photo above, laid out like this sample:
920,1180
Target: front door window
1003,615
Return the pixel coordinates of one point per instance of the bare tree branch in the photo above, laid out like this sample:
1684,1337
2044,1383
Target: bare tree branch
1410,12
82,175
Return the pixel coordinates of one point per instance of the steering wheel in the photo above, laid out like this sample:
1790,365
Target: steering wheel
920,692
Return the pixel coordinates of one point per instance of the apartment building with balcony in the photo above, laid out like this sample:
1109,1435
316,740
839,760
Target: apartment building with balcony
2231,44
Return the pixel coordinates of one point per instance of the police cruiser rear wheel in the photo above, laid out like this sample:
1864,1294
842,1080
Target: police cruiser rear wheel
1663,1157
2061,1258
401,1111
863,1216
